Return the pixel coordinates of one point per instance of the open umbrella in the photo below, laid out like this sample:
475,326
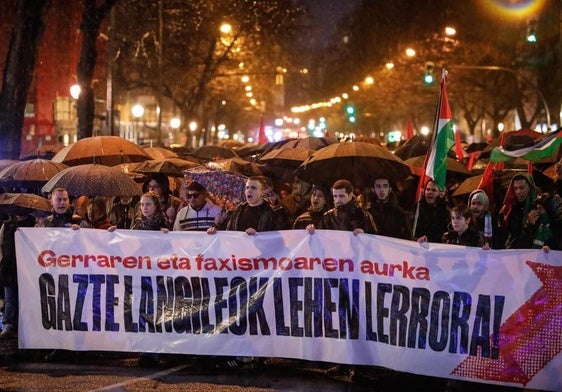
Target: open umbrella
415,146
172,167
30,173
236,165
105,150
286,157
312,142
23,203
93,180
357,162
4,163
453,166
45,151
501,180
210,152
227,187
160,153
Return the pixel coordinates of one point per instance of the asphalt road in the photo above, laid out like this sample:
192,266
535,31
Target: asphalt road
26,370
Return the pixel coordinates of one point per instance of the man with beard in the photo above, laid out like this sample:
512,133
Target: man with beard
433,215
346,214
479,203
392,220
519,201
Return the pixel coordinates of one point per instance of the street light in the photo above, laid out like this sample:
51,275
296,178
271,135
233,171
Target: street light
175,123
75,91
137,111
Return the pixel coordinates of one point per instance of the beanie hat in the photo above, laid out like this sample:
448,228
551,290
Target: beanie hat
479,195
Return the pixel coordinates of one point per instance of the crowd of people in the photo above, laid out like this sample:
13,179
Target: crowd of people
525,220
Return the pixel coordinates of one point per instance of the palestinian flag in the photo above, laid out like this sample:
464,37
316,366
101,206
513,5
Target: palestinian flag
443,140
542,148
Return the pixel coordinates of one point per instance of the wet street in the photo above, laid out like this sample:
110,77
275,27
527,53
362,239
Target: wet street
27,370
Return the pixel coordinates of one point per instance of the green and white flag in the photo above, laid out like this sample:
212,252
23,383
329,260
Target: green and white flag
443,140
543,148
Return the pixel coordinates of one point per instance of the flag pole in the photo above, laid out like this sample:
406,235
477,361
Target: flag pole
421,183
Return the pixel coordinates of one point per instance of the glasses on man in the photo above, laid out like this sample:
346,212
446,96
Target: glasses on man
192,195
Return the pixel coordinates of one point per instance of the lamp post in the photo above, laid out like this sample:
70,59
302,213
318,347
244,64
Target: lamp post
192,128
137,111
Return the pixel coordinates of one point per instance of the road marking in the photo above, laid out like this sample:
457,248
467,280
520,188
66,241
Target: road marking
139,379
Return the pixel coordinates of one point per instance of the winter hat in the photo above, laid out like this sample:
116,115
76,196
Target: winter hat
479,195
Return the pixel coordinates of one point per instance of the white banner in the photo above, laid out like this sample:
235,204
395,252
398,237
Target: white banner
446,311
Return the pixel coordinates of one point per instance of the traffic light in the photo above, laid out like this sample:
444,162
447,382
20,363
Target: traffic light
428,76
350,112
532,32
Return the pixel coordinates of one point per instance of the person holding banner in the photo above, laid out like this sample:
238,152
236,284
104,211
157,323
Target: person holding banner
485,221
252,216
200,212
63,213
346,214
63,216
152,217
159,183
463,231
434,215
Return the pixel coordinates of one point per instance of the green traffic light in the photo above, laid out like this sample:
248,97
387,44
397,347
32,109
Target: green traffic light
428,78
350,110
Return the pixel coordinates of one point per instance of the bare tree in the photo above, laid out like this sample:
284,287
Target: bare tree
92,18
18,72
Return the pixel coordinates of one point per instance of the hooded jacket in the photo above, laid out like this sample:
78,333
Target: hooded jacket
514,215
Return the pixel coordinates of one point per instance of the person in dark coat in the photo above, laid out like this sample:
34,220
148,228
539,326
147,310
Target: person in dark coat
514,215
8,273
546,222
392,220
319,204
346,214
433,214
464,231
479,203
252,216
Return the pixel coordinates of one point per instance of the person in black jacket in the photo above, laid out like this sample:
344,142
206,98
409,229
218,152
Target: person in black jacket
319,204
464,231
346,214
252,216
433,215
8,273
392,220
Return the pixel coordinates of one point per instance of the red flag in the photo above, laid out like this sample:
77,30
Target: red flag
262,139
530,167
409,130
458,146
472,157
487,184
422,181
